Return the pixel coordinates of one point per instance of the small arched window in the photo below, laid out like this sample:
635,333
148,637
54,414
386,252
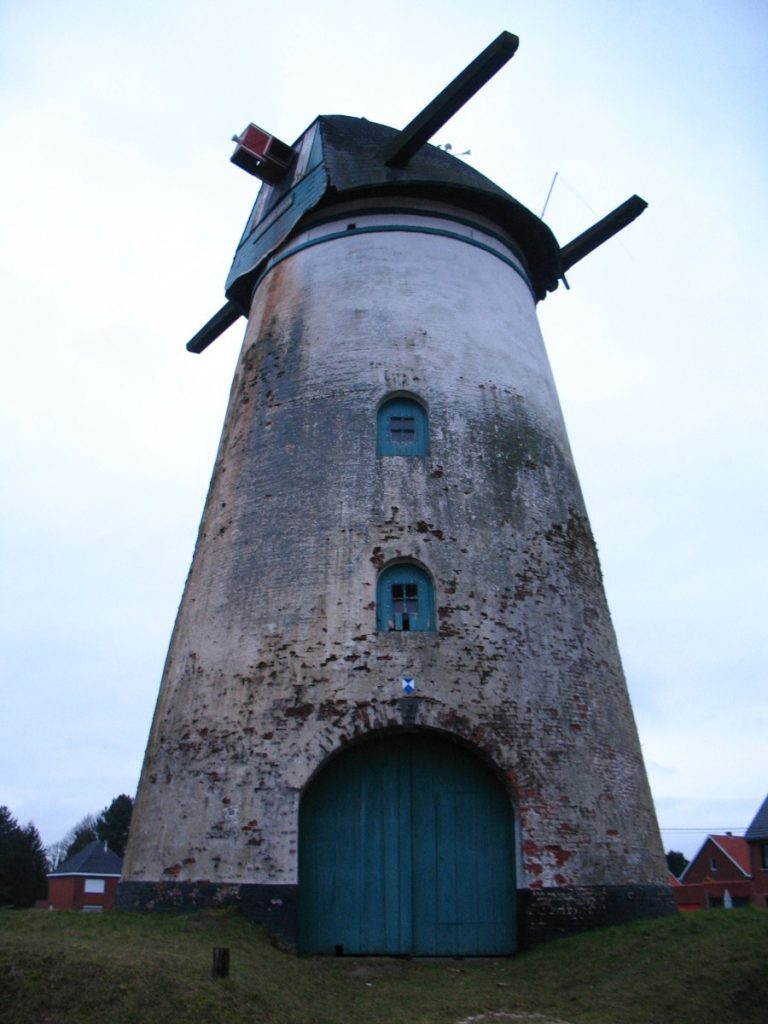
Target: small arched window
404,600
402,428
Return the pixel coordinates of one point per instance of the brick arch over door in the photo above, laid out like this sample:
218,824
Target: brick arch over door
406,846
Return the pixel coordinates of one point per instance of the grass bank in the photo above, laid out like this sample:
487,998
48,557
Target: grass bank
117,968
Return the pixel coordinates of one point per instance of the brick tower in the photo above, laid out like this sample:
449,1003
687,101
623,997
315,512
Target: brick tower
393,717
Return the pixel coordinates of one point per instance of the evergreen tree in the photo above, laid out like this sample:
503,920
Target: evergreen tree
9,829
113,823
32,881
676,862
23,863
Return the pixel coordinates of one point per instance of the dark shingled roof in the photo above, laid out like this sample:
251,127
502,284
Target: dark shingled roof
352,146
347,165
759,827
94,859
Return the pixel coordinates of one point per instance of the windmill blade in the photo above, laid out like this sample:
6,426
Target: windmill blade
606,228
452,98
219,322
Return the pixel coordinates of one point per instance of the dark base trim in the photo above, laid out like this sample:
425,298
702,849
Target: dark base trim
547,914
544,914
274,906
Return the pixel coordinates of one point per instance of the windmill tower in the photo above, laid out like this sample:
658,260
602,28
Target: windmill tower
393,717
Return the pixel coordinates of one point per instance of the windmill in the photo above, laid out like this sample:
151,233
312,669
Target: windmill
393,717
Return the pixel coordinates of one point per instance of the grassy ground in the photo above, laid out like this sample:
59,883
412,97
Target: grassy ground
116,968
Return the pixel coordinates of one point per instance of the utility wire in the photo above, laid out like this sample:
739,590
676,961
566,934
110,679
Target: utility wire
546,201
711,828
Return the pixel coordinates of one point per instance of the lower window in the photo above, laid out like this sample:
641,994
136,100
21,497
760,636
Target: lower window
404,600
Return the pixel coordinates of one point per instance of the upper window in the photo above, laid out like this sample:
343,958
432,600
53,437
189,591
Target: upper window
764,856
94,885
402,428
404,600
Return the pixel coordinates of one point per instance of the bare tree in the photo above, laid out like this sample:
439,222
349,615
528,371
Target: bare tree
80,835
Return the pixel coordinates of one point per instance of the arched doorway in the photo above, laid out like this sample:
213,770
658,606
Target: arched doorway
406,846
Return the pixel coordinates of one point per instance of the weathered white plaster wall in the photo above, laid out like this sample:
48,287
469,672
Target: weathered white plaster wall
275,662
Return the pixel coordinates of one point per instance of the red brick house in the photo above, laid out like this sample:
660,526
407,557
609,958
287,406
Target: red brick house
85,881
728,870
757,840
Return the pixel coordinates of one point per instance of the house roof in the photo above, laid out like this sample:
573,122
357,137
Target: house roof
734,847
94,859
759,827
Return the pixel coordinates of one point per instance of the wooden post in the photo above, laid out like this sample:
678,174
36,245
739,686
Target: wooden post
220,961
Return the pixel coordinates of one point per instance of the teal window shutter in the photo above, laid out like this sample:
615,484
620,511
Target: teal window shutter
402,428
405,600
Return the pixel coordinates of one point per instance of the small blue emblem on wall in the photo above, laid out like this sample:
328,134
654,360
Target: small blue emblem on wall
409,685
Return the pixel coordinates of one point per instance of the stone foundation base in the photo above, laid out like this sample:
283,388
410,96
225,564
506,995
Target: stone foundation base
546,914
274,906
543,914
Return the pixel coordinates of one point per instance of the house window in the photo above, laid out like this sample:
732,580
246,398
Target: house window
764,856
402,428
94,885
93,908
712,864
404,600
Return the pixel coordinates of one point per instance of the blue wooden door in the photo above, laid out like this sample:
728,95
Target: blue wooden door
406,847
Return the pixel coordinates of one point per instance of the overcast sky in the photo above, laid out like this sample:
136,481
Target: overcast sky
119,215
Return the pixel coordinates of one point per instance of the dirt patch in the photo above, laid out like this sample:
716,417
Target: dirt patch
519,1018
377,969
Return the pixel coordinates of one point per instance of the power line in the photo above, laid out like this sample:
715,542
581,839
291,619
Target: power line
710,828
